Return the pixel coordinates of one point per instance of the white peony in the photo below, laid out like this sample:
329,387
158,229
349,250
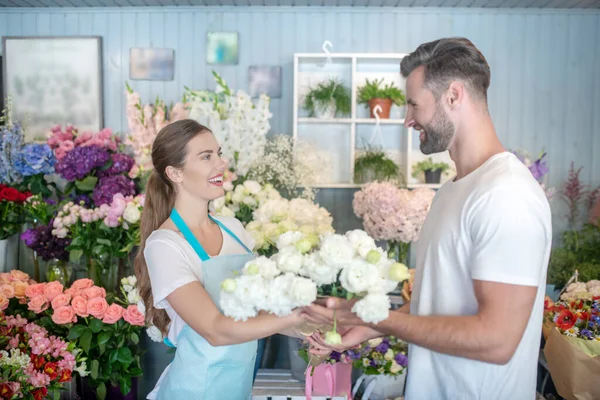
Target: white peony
359,277
132,213
289,259
303,291
336,250
361,242
373,308
317,270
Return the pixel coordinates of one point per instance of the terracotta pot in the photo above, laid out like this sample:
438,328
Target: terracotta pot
385,104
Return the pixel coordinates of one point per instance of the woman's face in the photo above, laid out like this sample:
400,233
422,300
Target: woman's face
202,172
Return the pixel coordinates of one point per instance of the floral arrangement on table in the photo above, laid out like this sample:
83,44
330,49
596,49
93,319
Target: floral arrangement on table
239,124
101,235
278,216
92,165
33,363
288,164
381,356
144,122
105,327
307,265
393,214
12,210
241,200
538,167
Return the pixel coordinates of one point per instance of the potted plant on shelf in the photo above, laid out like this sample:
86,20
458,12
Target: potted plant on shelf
327,98
374,165
373,94
433,171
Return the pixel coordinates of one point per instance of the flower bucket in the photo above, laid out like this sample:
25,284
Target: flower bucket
380,387
329,380
9,253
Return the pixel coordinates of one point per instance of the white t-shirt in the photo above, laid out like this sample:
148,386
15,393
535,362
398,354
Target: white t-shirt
492,225
172,263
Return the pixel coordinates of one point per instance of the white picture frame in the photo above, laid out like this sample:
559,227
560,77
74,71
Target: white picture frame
54,80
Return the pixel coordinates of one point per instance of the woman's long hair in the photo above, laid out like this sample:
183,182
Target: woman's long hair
169,149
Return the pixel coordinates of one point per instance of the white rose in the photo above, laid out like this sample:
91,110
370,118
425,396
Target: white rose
253,187
237,197
336,250
124,281
359,276
127,288
289,259
218,203
389,355
395,368
132,214
373,308
304,291
133,297
132,280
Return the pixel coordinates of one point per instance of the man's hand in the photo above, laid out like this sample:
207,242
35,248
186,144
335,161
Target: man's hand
351,337
324,313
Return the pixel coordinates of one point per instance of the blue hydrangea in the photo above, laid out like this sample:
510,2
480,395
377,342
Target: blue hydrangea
35,159
11,141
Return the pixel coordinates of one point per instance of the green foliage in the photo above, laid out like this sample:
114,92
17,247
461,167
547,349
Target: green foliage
319,97
428,165
373,90
580,251
374,165
12,216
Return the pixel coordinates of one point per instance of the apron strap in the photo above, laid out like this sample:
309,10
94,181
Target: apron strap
233,235
189,236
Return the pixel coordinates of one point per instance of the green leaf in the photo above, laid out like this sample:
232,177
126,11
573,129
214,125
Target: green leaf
135,338
125,384
101,391
75,255
104,337
87,184
95,367
86,341
76,331
57,395
96,325
113,357
124,356
104,241
349,296
101,348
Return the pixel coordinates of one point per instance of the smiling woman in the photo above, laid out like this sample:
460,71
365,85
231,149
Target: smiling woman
184,256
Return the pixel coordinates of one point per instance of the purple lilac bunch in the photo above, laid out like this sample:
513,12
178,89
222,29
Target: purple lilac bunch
121,164
381,356
46,245
81,161
108,186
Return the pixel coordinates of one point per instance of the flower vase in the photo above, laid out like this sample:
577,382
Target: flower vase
103,270
57,270
326,111
399,251
9,253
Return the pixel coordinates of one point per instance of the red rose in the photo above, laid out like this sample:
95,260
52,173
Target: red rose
51,369
65,375
10,194
40,394
24,196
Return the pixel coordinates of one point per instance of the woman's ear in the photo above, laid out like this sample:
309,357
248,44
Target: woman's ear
175,175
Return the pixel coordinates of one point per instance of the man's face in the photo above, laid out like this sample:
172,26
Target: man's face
426,115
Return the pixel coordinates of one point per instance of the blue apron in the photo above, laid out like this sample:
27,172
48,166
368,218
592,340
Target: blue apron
200,371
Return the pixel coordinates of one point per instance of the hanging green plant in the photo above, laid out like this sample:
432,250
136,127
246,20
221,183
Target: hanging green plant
327,98
374,165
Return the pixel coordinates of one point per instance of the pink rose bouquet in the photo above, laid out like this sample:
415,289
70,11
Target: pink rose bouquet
104,325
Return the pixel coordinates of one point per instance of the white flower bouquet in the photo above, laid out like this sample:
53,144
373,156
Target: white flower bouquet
241,200
307,266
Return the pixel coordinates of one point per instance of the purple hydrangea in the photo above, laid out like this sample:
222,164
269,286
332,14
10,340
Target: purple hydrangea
46,245
108,186
34,159
80,161
121,163
401,359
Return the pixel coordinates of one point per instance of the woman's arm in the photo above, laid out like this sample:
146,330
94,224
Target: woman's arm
196,308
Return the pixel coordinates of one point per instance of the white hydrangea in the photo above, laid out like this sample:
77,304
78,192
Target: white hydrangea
373,308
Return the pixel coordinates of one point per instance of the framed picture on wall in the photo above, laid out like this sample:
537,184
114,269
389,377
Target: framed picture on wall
264,79
151,64
54,80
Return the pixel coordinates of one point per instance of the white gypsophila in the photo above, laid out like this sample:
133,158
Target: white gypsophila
279,300
361,241
359,277
154,334
253,187
373,308
336,250
288,259
262,266
289,238
133,297
319,271
303,291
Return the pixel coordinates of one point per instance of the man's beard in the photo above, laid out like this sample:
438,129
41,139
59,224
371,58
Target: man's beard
438,133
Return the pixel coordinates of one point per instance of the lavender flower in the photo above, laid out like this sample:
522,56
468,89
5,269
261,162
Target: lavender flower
46,245
108,186
34,159
121,163
401,359
80,161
